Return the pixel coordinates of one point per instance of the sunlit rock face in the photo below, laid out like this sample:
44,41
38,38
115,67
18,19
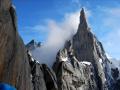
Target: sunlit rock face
87,48
82,64
72,74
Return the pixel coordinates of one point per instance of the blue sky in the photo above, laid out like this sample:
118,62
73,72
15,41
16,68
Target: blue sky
37,18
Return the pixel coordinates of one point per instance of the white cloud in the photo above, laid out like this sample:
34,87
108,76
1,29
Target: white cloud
37,28
59,32
111,39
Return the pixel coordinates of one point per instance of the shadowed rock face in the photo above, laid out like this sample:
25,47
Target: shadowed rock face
42,77
14,65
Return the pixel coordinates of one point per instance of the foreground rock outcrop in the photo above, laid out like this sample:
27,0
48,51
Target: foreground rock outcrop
14,65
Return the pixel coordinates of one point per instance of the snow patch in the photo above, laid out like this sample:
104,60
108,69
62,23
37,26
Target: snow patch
32,59
85,62
108,56
37,61
13,6
100,60
31,56
31,77
64,59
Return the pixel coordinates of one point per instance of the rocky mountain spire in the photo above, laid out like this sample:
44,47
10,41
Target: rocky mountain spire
83,26
86,47
83,21
83,40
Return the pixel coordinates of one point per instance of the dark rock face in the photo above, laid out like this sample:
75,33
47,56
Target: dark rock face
42,77
116,78
37,77
50,78
14,65
115,73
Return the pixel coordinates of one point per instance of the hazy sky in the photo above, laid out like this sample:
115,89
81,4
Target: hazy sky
37,20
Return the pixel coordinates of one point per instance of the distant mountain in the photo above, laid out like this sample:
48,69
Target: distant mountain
82,64
32,45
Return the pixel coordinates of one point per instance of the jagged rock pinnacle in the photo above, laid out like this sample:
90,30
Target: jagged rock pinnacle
83,21
83,26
